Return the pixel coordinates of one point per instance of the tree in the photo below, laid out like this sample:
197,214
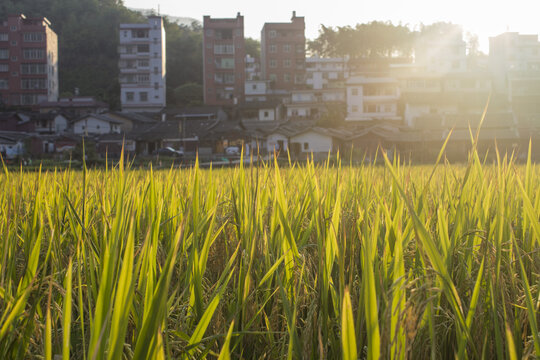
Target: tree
188,94
253,47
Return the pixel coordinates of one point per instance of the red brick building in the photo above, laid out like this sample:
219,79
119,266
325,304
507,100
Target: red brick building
283,56
224,60
28,61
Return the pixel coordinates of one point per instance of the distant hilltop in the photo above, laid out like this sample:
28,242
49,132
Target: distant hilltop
176,19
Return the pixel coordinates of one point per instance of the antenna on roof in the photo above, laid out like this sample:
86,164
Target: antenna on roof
158,10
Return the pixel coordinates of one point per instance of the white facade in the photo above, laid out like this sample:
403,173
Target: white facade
256,90
276,142
322,73
142,65
372,98
95,125
312,142
512,52
267,114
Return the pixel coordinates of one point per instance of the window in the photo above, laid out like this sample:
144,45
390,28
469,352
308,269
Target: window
209,32
4,37
4,84
272,77
129,96
4,54
29,99
370,108
273,63
33,37
14,43
286,48
298,79
31,53
27,69
354,108
139,33
143,96
13,28
273,48
156,86
299,63
224,49
354,92
266,114
125,33
287,78
14,73
156,70
143,48
224,34
272,33
4,67
143,63
287,63
299,49
14,58
143,78
29,84
306,146
254,87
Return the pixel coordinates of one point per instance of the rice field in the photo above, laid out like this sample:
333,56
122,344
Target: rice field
315,261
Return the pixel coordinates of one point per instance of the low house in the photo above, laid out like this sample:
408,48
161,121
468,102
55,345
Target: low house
12,144
94,124
49,123
76,106
130,120
261,111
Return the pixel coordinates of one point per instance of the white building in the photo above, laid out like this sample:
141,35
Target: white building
94,124
323,73
514,60
372,98
256,90
313,103
142,65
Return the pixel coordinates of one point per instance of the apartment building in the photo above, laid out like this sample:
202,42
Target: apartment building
224,60
283,57
514,60
325,73
142,66
372,98
28,61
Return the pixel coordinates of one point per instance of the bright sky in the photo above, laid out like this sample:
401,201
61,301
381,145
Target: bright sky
482,17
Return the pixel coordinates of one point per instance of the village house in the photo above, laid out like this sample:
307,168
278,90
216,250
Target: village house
94,124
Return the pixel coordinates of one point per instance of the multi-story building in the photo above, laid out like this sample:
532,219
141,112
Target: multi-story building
283,56
28,61
142,66
514,60
372,98
224,60
325,73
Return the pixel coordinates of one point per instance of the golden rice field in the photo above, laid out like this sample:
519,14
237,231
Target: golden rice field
309,261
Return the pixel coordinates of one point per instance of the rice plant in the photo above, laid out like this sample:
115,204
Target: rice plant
299,262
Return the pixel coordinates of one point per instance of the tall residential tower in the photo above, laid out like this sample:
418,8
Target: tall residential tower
224,60
28,61
142,66
283,55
